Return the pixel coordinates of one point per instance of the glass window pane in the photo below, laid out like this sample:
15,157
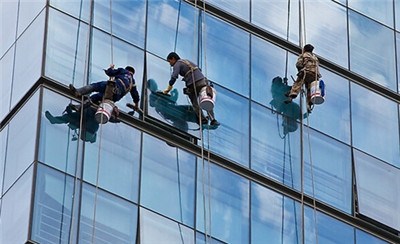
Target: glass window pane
231,138
226,195
52,207
168,184
382,11
175,110
15,210
397,12
6,66
123,54
173,26
398,57
128,19
332,43
341,1
201,239
77,8
8,17
274,217
239,8
21,141
188,27
378,188
59,133
330,178
115,156
365,238
325,229
375,124
3,146
265,54
66,49
275,143
333,116
157,229
371,50
28,59
226,62
279,17
100,225
162,26
28,10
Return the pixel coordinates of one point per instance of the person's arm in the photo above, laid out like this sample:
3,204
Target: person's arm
135,96
174,77
113,72
299,63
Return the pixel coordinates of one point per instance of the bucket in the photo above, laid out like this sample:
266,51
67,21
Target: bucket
104,112
317,92
207,98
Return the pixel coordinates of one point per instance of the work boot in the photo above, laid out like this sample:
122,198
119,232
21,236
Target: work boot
214,122
74,91
81,91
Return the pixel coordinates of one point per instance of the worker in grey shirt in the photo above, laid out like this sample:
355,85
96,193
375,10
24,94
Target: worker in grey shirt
194,81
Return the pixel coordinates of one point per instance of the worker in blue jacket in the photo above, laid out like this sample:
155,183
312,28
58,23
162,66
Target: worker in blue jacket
194,81
122,84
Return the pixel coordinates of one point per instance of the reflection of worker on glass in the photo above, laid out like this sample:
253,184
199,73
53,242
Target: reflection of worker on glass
73,119
113,89
168,109
307,67
290,111
194,81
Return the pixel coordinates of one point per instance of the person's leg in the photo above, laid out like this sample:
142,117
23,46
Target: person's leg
94,87
296,88
195,104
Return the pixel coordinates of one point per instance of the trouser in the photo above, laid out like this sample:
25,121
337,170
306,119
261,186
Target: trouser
193,92
302,78
108,90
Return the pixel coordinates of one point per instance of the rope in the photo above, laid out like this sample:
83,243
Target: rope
101,135
65,187
180,197
303,39
204,36
86,75
207,236
177,25
312,181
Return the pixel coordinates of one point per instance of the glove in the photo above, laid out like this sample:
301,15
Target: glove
134,107
169,88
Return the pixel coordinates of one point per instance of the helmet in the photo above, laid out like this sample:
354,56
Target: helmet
130,68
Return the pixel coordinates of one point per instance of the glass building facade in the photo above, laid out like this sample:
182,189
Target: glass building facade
270,173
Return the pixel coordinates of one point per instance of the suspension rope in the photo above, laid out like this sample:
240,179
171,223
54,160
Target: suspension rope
65,185
101,132
303,41
177,25
86,75
180,195
201,131
312,180
204,36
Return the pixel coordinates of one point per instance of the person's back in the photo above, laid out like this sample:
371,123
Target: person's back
188,70
308,62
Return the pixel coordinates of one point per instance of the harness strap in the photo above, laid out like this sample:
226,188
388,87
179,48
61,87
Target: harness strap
192,67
